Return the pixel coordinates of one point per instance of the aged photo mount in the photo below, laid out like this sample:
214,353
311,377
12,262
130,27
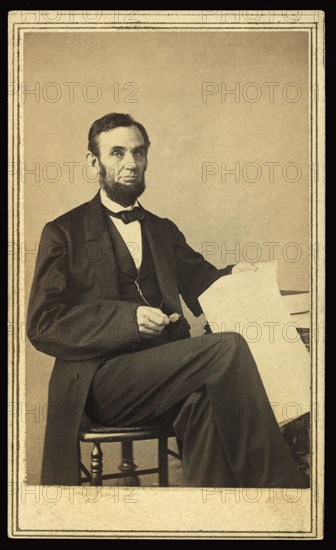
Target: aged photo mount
234,104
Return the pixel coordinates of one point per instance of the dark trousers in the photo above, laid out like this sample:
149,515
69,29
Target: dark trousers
221,411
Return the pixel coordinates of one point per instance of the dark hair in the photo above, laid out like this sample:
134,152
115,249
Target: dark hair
109,122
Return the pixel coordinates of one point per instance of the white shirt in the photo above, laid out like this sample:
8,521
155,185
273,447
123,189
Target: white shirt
130,232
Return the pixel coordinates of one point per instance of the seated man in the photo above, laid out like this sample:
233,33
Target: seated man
105,302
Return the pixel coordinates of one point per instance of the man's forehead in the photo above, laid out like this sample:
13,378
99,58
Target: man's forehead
123,136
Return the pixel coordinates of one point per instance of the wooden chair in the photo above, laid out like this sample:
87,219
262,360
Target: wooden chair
97,434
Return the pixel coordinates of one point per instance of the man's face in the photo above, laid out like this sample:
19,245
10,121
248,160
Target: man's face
122,164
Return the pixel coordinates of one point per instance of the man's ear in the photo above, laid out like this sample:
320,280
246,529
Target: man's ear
92,159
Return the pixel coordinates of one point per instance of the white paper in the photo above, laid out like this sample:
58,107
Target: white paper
250,303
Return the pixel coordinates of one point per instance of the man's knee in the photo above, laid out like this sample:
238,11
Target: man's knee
230,345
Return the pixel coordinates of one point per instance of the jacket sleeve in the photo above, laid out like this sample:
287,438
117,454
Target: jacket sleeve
195,274
61,328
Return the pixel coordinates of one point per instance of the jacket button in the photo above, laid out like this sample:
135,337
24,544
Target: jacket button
76,376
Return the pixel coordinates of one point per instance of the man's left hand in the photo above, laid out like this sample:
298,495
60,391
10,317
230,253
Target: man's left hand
243,266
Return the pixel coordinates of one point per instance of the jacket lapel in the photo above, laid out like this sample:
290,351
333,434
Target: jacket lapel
164,261
98,239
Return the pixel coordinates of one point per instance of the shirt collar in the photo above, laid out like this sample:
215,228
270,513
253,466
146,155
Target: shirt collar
114,206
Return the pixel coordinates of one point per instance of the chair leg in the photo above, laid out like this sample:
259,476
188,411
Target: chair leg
96,464
163,462
127,466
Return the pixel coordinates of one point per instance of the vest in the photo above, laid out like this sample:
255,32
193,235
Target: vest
146,279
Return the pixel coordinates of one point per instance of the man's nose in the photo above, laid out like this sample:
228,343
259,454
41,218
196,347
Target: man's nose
129,162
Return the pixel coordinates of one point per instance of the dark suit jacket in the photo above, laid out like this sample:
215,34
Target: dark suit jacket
75,313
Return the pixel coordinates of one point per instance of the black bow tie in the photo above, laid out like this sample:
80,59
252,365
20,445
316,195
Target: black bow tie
128,216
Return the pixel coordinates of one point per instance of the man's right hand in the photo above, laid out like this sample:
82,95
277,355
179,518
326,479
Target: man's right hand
151,321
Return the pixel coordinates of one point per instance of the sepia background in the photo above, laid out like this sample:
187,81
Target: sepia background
73,78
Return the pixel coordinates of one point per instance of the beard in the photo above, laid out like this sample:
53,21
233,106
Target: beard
123,194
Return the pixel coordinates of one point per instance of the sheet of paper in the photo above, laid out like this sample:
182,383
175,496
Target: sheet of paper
250,303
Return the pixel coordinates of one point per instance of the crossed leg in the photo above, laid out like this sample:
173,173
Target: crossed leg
228,430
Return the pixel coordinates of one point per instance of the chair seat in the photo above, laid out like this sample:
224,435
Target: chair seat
91,431
95,433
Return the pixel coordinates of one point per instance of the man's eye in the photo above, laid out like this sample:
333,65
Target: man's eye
140,154
117,153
